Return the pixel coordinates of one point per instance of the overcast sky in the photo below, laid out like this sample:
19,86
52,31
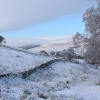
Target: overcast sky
20,14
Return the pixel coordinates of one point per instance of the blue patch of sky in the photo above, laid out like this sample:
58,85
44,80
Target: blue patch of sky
59,27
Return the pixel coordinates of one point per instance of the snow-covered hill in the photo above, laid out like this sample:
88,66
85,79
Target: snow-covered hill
63,80
56,44
13,61
46,43
59,81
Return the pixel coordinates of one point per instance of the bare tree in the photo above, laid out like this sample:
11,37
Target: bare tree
78,42
92,21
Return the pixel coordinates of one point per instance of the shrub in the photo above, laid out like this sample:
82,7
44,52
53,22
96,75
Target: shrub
43,52
1,39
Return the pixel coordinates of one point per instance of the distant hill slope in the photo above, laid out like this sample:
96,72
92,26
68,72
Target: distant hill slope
43,43
62,80
56,44
26,47
13,60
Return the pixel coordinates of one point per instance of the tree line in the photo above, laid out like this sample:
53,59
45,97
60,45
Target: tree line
91,42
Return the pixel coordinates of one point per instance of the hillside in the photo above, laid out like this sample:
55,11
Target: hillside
43,43
17,60
61,80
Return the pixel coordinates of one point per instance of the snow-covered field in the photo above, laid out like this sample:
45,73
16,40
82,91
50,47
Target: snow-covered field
12,61
63,80
59,81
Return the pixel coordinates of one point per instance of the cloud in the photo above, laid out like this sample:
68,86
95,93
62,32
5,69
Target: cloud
16,14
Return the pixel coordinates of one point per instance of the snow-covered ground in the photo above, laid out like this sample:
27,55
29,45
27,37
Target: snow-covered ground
59,81
63,80
12,61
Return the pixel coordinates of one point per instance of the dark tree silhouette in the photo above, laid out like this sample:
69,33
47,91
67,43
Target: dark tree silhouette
1,39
